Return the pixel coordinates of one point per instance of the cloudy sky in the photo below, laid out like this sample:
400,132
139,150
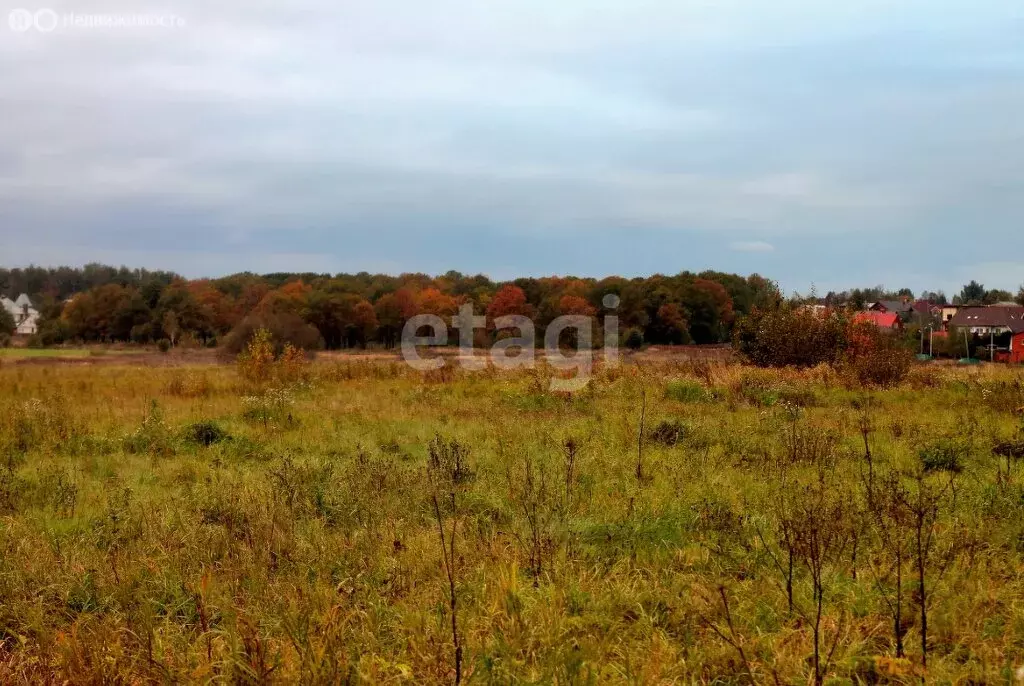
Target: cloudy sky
839,144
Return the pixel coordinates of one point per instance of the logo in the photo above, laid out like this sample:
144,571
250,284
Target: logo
20,20
47,20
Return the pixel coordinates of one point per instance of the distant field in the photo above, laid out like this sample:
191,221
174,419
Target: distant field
42,352
678,521
62,352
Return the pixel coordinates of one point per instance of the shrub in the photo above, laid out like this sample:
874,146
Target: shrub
5,340
633,339
7,323
669,432
255,364
258,364
205,433
292,365
942,455
153,436
54,332
283,328
788,336
163,345
878,358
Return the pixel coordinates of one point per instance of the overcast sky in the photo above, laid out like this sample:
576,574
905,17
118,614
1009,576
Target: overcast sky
839,144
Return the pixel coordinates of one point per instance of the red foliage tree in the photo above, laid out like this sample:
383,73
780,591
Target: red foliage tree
510,300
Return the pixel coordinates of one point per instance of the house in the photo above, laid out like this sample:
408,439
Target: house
946,313
888,321
925,310
985,321
903,308
26,318
1015,355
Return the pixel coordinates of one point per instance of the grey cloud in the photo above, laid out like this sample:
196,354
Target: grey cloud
292,127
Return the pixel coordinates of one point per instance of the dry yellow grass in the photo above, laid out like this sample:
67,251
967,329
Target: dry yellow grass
301,544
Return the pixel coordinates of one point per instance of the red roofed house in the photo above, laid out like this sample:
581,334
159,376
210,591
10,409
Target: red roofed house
1004,326
889,321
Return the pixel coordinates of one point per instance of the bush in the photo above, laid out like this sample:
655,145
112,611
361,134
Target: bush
878,358
54,332
258,365
669,432
255,364
7,323
633,339
163,345
284,329
205,433
141,333
788,336
944,456
5,340
153,436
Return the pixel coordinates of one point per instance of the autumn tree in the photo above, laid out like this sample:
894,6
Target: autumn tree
433,301
215,308
576,305
362,324
290,298
510,300
392,311
710,311
178,306
670,326
106,313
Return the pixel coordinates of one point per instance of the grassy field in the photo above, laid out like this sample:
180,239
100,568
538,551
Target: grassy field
676,522
17,353
59,353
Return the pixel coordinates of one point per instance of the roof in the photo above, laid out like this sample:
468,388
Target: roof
894,305
23,300
1011,318
883,320
924,307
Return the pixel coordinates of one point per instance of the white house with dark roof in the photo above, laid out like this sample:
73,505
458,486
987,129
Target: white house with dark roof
26,318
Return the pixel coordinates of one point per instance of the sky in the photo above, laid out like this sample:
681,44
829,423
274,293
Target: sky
820,144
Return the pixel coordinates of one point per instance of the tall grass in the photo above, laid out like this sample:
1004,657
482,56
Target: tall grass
792,526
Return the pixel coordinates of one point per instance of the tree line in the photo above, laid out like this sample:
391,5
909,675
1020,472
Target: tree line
972,294
99,303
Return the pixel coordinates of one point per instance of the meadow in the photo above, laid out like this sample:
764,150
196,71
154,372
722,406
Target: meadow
61,353
355,521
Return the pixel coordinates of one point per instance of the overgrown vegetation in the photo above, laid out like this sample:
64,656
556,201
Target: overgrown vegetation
281,521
